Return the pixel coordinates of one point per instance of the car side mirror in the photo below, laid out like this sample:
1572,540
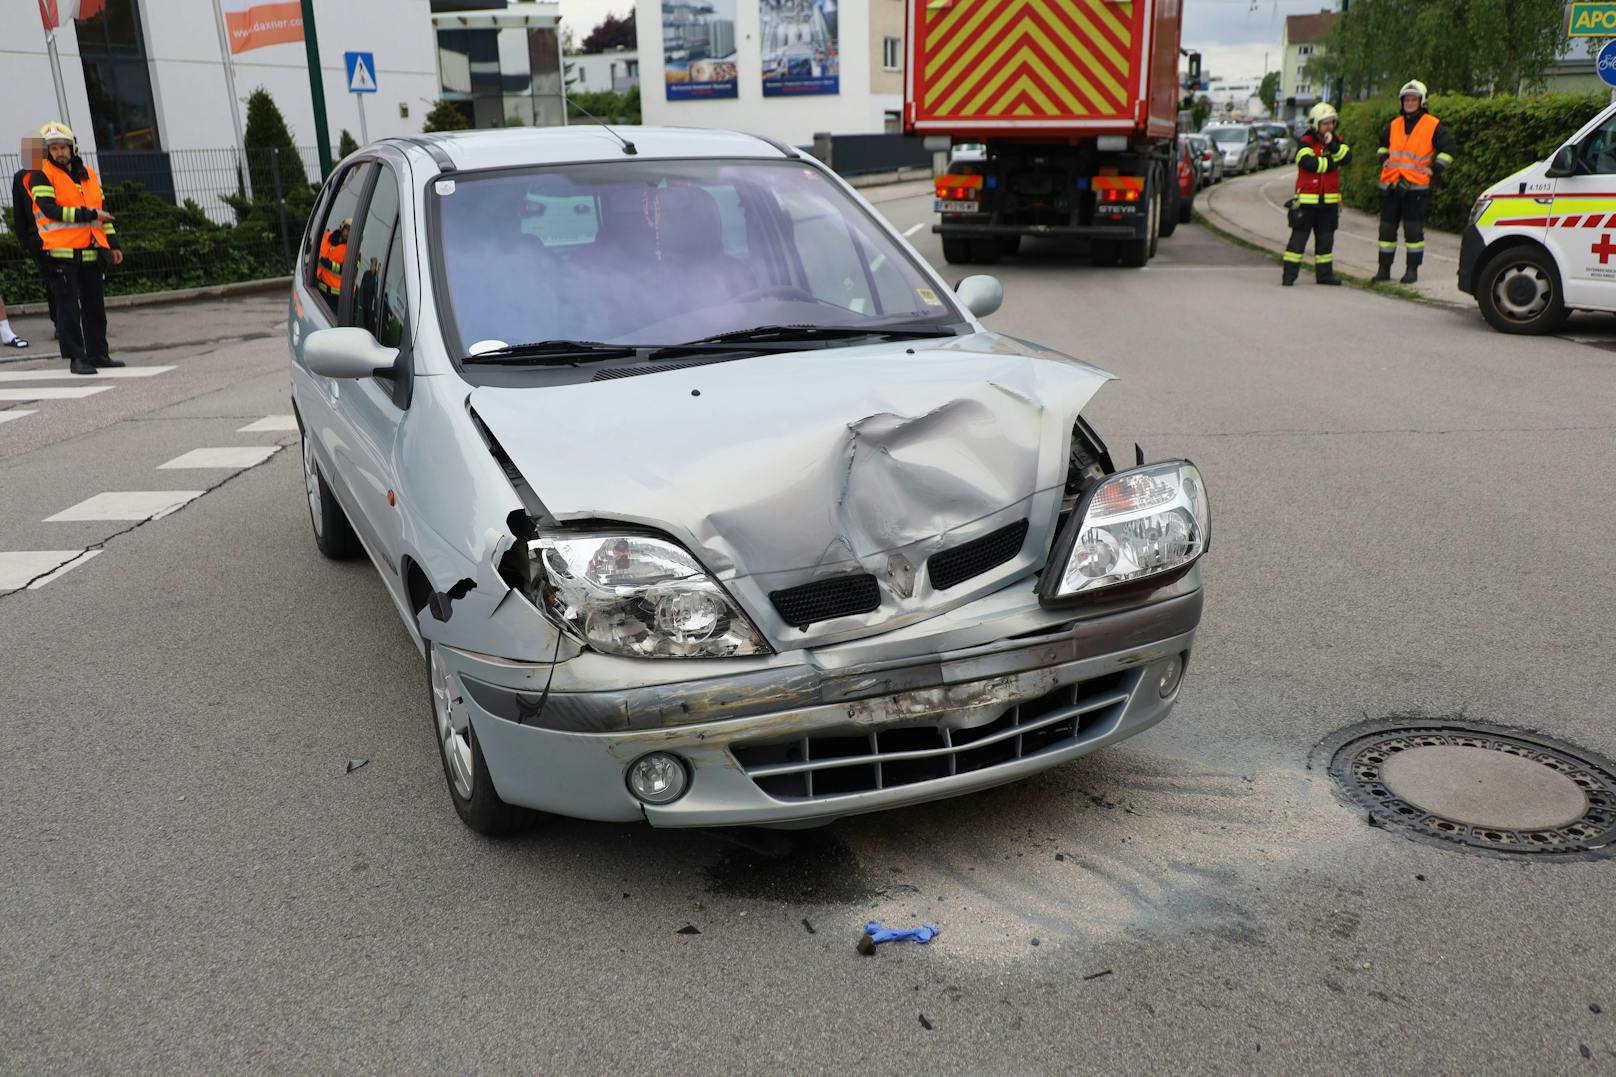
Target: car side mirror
1563,163
981,294
347,352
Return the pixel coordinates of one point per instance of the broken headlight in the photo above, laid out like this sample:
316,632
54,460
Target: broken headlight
1145,522
639,596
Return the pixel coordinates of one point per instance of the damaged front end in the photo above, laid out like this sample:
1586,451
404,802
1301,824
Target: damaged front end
814,602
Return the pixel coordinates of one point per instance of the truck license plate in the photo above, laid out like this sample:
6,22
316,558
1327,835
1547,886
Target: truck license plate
955,207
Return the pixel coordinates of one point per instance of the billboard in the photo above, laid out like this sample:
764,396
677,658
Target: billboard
698,48
799,44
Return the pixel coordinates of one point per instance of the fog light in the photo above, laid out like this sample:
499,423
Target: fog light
1171,674
658,778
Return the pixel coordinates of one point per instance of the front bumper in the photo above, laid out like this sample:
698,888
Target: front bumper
1471,246
815,743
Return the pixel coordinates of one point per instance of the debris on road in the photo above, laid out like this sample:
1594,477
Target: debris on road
875,934
355,763
1593,1007
925,1024
1035,940
808,926
1097,975
688,929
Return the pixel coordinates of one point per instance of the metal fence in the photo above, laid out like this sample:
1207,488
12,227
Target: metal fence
185,218
855,155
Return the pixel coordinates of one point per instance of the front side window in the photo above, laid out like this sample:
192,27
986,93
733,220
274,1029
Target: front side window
1599,150
668,252
375,238
329,244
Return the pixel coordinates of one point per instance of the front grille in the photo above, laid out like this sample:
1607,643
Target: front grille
839,596
835,762
973,558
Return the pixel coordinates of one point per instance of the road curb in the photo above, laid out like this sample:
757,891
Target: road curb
178,295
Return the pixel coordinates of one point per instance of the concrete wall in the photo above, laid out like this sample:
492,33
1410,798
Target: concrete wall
793,120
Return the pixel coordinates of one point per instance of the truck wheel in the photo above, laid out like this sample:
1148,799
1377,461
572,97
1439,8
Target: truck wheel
956,250
1172,206
985,251
1009,245
1519,292
1136,252
1158,200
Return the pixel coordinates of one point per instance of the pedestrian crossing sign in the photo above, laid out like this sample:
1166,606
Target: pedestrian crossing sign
361,71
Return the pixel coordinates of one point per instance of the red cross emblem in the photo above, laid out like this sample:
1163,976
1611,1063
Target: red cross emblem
1604,248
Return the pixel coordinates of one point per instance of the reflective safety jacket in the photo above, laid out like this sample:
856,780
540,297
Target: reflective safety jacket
67,209
1318,169
328,271
1413,148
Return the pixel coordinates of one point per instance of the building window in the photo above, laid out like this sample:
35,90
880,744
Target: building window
1304,50
123,112
891,51
632,67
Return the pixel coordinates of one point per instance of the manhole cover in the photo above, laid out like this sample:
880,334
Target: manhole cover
1477,786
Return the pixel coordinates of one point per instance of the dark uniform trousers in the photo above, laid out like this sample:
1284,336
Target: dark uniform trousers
1319,221
81,312
1405,206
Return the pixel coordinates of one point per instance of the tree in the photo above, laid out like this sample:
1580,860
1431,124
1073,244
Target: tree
1269,89
266,132
612,33
1478,47
346,145
445,117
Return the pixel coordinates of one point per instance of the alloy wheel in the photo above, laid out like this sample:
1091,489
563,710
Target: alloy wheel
311,484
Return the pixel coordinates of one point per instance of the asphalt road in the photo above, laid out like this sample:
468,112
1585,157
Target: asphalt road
1412,516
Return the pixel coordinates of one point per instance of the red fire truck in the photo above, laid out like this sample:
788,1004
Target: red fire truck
1077,104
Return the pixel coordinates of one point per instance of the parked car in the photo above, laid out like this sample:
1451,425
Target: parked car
1238,145
1211,161
1189,179
713,503
1283,145
1265,149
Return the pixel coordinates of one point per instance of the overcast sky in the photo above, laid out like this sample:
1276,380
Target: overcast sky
1231,35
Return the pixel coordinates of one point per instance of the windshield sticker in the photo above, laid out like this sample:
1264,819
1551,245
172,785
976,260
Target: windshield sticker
444,187
928,297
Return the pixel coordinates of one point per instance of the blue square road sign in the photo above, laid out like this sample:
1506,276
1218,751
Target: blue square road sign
361,71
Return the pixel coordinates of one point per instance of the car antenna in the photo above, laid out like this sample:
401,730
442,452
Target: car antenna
628,147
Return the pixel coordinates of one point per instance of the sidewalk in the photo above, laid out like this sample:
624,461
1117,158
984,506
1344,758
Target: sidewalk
1253,208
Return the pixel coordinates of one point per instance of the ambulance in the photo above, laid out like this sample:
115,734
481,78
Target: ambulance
1542,243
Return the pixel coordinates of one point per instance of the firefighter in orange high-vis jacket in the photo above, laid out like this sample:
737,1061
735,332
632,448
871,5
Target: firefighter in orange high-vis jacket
76,233
1415,148
333,252
1316,206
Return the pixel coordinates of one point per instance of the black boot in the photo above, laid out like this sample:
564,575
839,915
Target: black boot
1412,273
82,366
1327,278
104,362
1290,272
1384,273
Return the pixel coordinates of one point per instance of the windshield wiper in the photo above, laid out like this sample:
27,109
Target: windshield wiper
764,334
553,352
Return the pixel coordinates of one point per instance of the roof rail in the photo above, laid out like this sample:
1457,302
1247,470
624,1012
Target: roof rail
785,150
440,156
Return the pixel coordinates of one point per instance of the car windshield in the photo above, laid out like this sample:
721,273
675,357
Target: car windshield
1227,134
666,252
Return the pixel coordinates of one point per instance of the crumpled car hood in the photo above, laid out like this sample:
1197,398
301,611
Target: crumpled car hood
783,469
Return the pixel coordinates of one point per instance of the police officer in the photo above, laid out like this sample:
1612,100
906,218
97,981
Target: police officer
1316,207
1414,148
76,232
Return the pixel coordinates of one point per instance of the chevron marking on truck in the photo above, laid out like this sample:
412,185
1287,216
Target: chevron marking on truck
1027,57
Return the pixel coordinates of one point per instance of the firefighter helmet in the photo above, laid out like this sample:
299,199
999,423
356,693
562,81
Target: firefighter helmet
57,131
1415,87
1321,112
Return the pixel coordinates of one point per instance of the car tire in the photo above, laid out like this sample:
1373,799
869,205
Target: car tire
465,770
333,535
956,250
1519,291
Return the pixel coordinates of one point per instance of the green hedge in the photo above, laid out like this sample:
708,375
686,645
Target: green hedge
1497,136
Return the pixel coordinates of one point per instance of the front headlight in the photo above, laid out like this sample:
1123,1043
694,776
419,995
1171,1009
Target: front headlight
1478,209
639,596
1145,522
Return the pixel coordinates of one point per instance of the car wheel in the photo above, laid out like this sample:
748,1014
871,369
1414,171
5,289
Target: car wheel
464,767
333,534
956,250
1519,292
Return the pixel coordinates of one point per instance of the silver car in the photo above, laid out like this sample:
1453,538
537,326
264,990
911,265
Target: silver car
1238,145
704,498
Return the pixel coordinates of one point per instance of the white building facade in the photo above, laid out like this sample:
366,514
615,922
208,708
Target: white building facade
868,97
147,75
616,70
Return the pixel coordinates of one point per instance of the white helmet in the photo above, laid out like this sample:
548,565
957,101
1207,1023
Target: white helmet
1412,86
1321,112
57,131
